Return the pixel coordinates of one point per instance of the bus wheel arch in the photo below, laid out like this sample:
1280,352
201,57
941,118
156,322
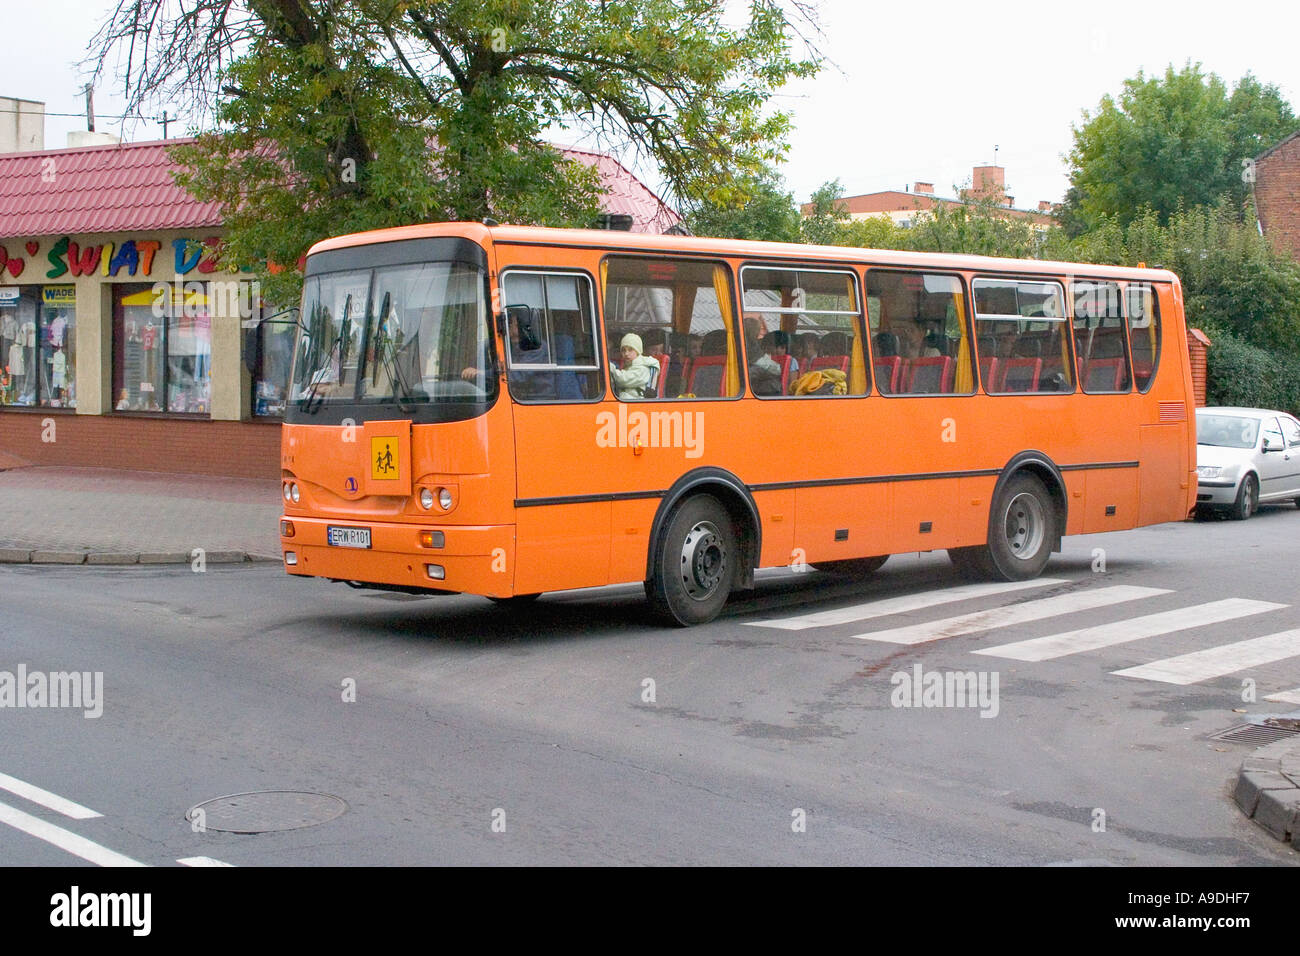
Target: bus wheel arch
732,495
1030,486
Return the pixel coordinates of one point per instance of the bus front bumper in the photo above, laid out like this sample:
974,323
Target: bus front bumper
474,559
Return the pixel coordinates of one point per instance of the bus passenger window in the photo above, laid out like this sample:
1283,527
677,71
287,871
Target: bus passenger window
551,348
803,332
1024,324
1100,343
1144,333
920,344
683,314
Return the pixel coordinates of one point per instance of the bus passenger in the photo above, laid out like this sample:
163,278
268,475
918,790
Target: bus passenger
631,381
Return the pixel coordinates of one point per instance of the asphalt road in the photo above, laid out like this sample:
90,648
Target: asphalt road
486,736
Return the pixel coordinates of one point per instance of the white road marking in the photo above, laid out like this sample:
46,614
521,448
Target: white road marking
1011,614
201,861
901,605
1108,635
64,839
1218,661
51,801
1286,696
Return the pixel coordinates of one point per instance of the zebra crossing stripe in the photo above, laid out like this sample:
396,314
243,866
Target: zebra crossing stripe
1120,632
1286,696
901,605
1218,661
1011,614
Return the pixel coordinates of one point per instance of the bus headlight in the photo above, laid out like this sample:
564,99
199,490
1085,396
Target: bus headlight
285,490
426,499
444,499
294,495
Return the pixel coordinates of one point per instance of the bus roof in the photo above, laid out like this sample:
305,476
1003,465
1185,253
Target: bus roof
745,248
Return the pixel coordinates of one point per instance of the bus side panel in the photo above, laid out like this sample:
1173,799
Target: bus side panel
562,546
1167,434
1112,490
630,538
925,514
777,511
858,514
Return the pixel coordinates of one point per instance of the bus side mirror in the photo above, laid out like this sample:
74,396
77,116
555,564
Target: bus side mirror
529,322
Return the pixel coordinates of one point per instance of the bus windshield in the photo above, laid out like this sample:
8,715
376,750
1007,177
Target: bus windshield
400,336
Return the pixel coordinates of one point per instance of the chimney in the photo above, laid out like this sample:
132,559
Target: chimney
22,125
989,182
81,137
1044,206
926,189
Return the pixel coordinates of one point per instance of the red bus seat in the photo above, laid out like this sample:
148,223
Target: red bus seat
1020,375
888,369
931,375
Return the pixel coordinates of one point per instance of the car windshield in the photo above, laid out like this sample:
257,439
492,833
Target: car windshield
1226,431
405,335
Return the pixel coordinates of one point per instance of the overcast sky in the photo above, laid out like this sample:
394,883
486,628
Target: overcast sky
911,92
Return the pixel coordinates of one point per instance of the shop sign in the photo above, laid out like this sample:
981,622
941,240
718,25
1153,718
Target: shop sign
9,294
59,296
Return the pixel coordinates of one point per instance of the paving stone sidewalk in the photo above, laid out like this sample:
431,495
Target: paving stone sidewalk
104,516
1268,789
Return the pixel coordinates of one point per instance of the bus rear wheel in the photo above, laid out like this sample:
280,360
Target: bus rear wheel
695,563
1023,527
853,567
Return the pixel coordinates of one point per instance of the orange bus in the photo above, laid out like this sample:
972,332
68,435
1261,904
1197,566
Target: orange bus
506,411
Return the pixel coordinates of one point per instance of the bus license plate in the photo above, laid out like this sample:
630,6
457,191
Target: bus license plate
349,537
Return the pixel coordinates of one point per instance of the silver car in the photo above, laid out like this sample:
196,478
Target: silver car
1245,457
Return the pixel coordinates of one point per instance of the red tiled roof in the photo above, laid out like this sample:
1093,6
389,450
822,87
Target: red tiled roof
96,189
624,194
128,187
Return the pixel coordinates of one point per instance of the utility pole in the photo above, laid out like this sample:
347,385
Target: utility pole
90,108
165,121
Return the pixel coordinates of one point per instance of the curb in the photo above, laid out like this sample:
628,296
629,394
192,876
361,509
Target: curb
1268,789
70,558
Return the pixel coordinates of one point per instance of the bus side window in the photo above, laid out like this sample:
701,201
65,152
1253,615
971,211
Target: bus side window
554,359
920,344
1025,320
1100,346
1144,333
684,309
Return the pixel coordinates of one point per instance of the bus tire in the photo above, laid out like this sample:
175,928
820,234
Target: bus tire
853,567
517,601
973,562
696,563
1023,527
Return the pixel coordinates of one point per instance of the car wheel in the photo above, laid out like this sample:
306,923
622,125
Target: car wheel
853,567
1247,499
695,564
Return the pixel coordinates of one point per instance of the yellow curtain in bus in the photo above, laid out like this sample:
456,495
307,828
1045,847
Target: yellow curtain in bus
965,381
722,289
857,357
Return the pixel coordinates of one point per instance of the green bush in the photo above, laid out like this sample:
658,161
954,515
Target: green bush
1239,373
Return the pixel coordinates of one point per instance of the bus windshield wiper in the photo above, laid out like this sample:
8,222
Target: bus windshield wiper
386,349
313,399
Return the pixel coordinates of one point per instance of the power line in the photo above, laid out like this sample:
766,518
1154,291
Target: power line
155,119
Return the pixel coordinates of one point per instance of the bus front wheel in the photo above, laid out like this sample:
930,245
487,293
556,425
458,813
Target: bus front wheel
1022,531
695,563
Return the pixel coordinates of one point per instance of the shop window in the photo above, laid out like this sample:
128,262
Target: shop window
38,335
162,349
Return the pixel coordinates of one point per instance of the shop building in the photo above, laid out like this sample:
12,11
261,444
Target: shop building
122,345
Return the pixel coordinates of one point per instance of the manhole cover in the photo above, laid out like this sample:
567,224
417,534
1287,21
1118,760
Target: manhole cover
265,810
1257,734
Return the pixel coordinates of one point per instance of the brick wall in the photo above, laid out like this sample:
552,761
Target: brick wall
235,449
1198,345
1277,196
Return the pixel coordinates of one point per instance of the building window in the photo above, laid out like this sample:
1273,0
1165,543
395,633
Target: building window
38,335
162,349
272,363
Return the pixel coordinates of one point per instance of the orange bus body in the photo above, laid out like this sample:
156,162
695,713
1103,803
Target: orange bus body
539,504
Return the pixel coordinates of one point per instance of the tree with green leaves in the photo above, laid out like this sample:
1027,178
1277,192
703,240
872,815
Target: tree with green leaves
333,116
770,213
1168,141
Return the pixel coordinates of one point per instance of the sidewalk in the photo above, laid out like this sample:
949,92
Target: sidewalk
103,516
